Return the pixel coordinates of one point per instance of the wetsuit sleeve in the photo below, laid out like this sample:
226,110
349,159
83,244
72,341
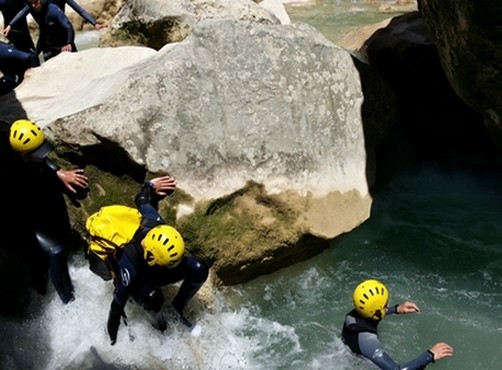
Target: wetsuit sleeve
15,61
125,279
123,282
372,348
81,11
20,15
65,23
52,165
392,310
147,206
113,322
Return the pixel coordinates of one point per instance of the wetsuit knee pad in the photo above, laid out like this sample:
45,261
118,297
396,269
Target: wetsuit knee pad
199,270
48,244
152,299
55,251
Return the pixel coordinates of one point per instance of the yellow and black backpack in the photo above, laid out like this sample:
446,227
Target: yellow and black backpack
109,229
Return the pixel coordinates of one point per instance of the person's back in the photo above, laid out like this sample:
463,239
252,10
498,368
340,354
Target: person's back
360,328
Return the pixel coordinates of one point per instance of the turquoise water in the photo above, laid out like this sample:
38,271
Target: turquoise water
334,18
434,237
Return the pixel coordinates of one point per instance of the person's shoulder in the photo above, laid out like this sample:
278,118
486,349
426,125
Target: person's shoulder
53,8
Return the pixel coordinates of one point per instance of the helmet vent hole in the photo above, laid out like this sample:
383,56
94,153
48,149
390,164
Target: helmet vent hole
365,296
166,241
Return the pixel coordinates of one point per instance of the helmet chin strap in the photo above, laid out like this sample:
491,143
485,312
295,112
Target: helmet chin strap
377,316
149,257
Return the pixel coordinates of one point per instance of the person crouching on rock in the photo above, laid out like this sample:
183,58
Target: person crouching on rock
154,258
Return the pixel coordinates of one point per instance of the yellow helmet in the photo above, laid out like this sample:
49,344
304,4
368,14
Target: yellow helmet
371,298
164,246
27,138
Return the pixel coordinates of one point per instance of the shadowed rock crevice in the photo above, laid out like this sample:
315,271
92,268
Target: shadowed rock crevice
108,157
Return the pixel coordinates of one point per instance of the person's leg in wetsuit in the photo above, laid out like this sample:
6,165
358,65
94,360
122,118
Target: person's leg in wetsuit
58,266
192,271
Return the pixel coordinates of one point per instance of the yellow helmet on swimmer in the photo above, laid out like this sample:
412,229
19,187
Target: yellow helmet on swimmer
164,246
371,298
27,138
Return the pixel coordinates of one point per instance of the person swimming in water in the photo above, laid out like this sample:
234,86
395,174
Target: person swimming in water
360,334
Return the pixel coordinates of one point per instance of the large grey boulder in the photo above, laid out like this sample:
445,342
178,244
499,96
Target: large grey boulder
277,105
155,23
236,101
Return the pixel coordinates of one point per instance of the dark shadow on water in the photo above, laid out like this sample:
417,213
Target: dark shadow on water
92,360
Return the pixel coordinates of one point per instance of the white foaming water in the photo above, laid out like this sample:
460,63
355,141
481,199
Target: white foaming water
87,39
73,336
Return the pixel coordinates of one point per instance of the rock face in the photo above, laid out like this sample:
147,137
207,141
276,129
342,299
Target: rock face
234,102
156,23
436,121
468,38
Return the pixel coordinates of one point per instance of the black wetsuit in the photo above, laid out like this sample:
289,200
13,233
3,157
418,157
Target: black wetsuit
19,35
23,11
135,278
56,31
361,336
13,65
49,221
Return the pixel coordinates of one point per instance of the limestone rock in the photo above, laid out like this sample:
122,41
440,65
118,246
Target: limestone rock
236,102
233,103
155,23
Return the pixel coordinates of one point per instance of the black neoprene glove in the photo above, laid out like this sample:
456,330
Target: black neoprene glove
116,312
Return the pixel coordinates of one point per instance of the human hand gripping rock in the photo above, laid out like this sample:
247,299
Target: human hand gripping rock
73,178
163,185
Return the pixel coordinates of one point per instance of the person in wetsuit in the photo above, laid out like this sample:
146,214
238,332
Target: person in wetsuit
360,334
46,182
18,34
154,258
13,65
56,31
24,9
